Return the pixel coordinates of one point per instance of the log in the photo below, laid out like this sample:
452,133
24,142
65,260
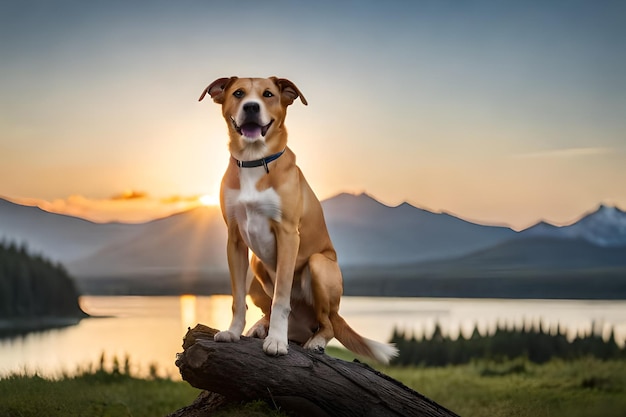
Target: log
301,383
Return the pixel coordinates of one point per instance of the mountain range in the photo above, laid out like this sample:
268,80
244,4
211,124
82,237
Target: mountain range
605,227
373,241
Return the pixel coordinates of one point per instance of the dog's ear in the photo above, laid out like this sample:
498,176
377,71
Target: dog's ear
288,91
216,89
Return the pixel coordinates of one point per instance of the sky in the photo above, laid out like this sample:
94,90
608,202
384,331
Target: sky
497,112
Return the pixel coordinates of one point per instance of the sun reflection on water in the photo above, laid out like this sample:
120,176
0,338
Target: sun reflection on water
187,311
214,311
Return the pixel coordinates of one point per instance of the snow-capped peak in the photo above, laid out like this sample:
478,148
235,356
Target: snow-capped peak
605,226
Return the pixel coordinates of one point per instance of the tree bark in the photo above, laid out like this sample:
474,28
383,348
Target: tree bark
302,382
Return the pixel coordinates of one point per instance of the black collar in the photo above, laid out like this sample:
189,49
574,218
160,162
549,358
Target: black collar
259,162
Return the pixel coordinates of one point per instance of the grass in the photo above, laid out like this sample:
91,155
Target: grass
585,387
98,394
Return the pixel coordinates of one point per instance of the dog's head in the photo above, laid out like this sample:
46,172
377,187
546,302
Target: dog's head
255,110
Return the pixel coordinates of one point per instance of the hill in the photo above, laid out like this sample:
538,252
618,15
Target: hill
535,267
58,237
605,226
183,253
538,253
34,292
365,231
186,252
194,240
379,248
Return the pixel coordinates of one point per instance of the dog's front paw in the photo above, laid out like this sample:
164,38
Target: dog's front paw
226,336
274,346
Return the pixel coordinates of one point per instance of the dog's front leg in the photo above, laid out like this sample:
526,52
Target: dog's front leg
287,245
237,253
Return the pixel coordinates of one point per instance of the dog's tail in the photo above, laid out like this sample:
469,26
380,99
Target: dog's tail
381,352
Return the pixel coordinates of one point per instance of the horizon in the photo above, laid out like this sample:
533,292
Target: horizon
493,112
144,211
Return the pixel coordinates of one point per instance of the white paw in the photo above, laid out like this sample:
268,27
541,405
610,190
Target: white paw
258,330
226,336
274,346
316,344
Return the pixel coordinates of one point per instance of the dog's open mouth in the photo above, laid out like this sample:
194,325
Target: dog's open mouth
251,129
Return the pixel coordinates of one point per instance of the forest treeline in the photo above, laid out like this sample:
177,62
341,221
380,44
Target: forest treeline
33,287
538,345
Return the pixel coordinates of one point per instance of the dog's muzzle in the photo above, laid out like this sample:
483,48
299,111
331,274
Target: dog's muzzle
251,129
251,126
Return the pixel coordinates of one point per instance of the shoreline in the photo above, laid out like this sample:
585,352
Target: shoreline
11,327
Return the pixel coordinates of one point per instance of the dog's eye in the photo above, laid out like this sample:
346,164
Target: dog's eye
268,94
238,93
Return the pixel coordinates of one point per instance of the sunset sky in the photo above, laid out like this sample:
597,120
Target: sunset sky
498,112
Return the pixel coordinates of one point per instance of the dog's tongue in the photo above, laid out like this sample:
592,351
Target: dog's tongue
251,130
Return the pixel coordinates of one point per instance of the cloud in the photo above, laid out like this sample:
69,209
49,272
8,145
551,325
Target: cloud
130,195
180,199
566,153
128,207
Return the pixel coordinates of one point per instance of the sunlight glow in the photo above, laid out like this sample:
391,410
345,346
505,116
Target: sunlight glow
209,200
188,311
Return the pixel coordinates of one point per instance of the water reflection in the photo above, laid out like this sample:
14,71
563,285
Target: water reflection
459,317
213,311
187,311
149,330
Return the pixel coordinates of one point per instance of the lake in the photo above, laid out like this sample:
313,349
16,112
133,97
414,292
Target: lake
149,330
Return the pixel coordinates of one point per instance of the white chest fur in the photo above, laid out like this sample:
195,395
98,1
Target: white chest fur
252,210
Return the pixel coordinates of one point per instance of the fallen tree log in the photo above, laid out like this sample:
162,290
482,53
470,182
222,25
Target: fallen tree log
301,383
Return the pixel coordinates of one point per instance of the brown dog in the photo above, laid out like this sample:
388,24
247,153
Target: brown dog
270,209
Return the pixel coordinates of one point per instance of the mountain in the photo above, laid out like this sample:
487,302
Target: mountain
606,226
58,237
530,267
525,255
537,254
365,231
379,247
186,242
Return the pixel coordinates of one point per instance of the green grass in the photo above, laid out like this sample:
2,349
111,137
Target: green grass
585,387
98,394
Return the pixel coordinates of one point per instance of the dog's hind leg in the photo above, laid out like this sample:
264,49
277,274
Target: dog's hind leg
326,284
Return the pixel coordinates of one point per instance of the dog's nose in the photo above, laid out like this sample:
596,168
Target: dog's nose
251,108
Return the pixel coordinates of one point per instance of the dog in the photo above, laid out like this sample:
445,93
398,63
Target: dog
270,209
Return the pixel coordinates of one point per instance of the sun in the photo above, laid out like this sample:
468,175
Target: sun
209,200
